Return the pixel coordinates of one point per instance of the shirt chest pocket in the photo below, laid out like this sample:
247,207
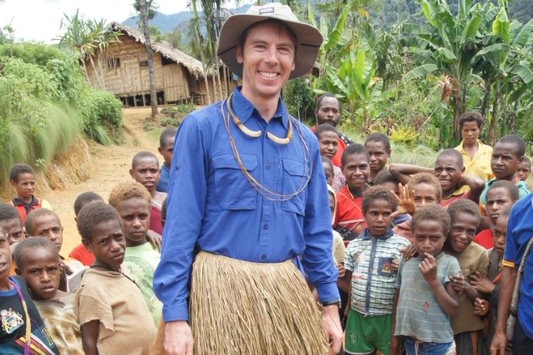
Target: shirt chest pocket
294,183
232,189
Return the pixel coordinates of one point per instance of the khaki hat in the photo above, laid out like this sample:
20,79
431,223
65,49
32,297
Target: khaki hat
308,38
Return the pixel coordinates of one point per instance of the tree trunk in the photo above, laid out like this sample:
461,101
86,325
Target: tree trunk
148,43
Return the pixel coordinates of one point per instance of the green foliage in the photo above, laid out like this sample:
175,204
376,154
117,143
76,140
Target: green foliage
300,99
101,115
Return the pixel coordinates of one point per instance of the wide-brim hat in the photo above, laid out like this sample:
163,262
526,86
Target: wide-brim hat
308,38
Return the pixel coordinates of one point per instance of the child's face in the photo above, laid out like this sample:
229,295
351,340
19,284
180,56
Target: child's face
135,214
328,169
425,194
500,233
108,244
42,273
470,132
13,229
505,161
448,171
5,257
329,143
356,170
24,186
428,237
523,171
167,151
464,228
146,172
498,199
49,226
379,156
378,217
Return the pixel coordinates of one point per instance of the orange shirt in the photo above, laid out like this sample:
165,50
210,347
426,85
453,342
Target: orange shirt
349,213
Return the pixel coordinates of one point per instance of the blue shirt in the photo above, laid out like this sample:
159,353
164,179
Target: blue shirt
162,185
214,207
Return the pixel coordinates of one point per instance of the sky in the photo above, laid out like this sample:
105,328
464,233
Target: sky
39,20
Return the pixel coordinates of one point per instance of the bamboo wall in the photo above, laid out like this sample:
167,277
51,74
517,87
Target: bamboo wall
130,79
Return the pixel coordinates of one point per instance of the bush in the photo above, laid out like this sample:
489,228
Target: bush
102,117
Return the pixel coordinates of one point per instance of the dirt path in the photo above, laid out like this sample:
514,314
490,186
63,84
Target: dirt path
110,167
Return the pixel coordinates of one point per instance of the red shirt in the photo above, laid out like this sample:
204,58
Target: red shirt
485,238
81,253
350,211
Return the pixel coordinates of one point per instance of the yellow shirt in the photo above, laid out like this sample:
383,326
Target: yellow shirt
479,165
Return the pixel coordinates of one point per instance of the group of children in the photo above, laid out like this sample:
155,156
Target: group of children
418,250
100,299
423,245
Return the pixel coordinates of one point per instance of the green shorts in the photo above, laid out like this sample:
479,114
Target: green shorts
366,334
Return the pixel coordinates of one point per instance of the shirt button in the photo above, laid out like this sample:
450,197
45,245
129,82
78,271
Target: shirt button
263,257
265,226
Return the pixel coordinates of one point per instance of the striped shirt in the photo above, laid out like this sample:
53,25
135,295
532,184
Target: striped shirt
373,280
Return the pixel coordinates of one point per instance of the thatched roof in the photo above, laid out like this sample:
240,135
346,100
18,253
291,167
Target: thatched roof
165,49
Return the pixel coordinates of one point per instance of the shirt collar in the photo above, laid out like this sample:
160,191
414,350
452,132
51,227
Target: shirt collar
246,110
367,236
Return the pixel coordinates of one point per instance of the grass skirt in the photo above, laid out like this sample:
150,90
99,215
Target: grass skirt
240,307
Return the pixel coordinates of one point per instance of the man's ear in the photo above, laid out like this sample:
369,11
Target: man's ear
239,56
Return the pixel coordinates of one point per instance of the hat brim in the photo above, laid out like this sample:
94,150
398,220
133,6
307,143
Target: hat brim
308,43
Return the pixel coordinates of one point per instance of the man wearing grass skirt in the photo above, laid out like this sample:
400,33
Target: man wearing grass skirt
248,211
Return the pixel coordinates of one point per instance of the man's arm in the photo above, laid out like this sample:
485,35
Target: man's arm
178,338
89,337
499,341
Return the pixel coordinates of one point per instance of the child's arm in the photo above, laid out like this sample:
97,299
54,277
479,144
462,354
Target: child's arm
347,283
476,186
446,297
89,337
403,172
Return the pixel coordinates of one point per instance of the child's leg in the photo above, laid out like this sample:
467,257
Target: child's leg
382,326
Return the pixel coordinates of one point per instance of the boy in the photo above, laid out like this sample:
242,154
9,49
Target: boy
427,295
38,262
22,327
524,170
378,147
476,155
80,252
506,157
11,223
166,149
349,219
427,189
473,258
109,306
132,202
501,194
368,261
145,170
45,223
22,179
328,139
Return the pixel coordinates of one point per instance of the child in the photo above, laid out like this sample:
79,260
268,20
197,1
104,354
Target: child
500,195
524,170
328,138
145,170
166,149
132,202
80,252
490,285
378,147
22,179
349,219
21,328
11,223
109,306
455,185
45,223
368,262
427,189
467,326
428,284
38,262
328,166
506,157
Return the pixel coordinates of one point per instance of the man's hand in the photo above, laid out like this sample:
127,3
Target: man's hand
332,324
178,338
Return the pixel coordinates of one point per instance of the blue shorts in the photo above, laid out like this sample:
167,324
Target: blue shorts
415,347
